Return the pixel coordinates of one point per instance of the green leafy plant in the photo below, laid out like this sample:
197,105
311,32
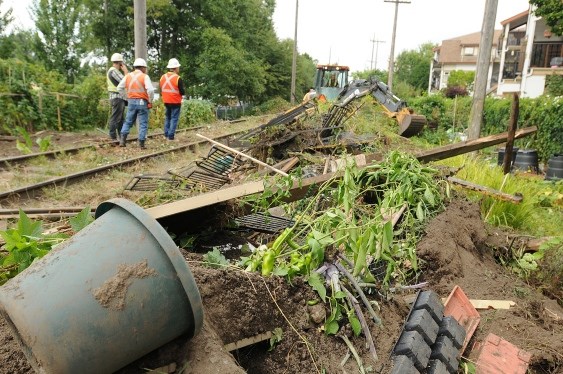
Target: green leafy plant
81,220
24,243
44,143
215,259
277,336
27,144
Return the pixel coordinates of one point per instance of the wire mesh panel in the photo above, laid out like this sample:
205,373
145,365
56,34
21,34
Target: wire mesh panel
264,223
152,182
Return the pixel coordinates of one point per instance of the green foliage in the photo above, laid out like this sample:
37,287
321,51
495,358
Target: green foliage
277,336
541,211
413,66
215,259
195,113
358,230
382,75
554,85
27,144
24,244
452,115
229,71
81,220
274,105
552,12
5,18
461,78
58,23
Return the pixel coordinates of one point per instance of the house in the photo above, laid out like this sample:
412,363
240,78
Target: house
523,54
529,53
460,53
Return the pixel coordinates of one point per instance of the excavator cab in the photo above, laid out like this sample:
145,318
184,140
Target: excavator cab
330,80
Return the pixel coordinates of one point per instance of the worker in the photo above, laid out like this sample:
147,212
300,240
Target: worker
117,101
140,94
332,80
310,95
172,90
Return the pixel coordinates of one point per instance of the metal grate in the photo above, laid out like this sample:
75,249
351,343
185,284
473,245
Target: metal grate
264,223
152,182
220,162
195,177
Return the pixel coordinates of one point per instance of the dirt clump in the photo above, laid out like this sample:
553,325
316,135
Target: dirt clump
112,293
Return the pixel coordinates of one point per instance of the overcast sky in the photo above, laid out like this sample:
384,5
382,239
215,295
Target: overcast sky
339,31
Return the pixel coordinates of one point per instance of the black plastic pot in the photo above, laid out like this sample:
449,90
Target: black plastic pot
554,168
527,160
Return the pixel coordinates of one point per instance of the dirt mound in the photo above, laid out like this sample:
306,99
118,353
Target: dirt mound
456,249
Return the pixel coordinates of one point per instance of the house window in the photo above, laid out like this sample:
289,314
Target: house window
542,54
469,51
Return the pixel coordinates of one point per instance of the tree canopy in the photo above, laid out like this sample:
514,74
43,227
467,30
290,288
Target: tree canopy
413,66
226,48
552,12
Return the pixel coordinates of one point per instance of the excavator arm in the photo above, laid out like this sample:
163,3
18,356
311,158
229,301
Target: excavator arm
410,124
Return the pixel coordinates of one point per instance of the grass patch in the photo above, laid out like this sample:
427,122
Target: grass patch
539,214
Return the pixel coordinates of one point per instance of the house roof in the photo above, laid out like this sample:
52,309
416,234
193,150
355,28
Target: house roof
450,50
517,20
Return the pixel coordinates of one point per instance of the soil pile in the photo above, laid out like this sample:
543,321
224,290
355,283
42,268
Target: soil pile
455,250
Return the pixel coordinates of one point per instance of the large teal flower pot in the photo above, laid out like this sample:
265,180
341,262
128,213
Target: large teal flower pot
115,291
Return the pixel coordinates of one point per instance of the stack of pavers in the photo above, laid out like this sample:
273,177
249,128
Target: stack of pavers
429,343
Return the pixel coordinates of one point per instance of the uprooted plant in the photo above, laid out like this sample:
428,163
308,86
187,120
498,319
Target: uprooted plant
355,216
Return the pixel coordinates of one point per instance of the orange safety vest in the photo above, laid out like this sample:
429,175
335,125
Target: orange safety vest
135,84
169,88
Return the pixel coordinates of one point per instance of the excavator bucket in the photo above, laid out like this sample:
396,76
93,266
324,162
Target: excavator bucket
410,124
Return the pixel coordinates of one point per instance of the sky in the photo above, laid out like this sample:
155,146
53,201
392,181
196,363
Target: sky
336,31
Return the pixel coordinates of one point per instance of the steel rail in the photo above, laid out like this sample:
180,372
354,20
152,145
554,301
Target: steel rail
84,173
21,158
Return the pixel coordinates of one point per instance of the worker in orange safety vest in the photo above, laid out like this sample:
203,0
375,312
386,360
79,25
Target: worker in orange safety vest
172,90
140,93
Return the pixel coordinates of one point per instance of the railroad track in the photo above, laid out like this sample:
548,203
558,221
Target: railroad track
31,189
11,160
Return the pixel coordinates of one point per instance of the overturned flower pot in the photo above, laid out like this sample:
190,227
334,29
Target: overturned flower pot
115,291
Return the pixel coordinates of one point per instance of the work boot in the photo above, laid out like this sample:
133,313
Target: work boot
142,144
123,141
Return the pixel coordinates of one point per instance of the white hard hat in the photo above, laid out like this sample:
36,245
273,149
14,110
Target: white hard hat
173,63
140,62
116,57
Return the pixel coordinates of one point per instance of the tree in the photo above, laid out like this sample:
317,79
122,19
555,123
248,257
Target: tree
229,72
18,44
5,19
109,27
413,66
57,39
552,12
366,74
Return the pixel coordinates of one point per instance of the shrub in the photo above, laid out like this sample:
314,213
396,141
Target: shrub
453,91
554,85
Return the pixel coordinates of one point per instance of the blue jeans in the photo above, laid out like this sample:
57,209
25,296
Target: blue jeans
136,107
171,120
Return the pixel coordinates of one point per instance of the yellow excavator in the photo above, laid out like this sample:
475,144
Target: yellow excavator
331,83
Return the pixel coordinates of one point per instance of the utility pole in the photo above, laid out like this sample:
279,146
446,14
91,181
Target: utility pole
294,61
140,17
373,65
392,56
483,66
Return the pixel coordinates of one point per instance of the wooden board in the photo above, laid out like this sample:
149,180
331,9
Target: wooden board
460,148
516,199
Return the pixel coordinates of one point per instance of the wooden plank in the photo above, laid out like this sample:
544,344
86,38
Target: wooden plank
248,341
516,199
492,304
206,199
460,148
